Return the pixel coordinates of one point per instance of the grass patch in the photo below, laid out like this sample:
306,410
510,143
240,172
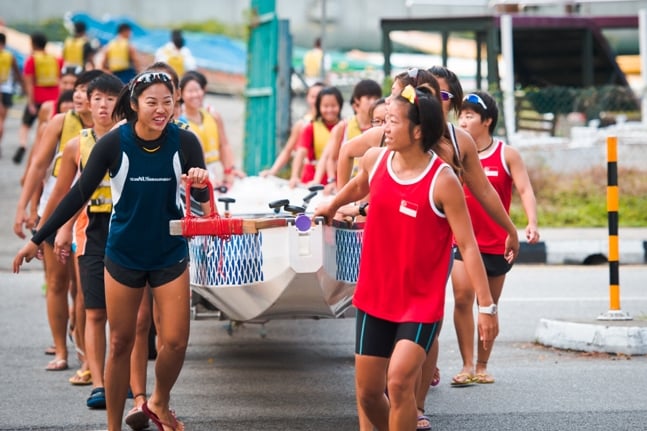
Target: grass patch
579,199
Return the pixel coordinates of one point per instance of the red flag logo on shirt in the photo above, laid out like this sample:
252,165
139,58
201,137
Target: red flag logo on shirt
408,208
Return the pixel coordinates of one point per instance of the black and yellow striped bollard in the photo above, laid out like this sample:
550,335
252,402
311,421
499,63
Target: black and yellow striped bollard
613,203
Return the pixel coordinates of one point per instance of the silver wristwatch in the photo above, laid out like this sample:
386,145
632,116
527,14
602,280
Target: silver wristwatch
490,309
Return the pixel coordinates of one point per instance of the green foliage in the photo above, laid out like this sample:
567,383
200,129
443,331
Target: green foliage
52,28
556,100
387,83
579,199
212,26
56,31
591,100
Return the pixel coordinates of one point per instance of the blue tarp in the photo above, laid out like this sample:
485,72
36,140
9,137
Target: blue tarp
214,52
20,57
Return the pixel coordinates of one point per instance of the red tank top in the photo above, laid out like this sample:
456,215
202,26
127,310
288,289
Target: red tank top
314,139
406,247
489,235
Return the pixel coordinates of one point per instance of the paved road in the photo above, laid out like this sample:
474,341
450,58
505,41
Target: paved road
300,377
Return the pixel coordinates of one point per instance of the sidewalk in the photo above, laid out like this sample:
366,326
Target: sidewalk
610,332
578,246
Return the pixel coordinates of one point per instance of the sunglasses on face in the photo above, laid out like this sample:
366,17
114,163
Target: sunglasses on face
446,95
476,99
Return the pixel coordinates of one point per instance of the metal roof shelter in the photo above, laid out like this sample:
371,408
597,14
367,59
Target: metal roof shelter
547,50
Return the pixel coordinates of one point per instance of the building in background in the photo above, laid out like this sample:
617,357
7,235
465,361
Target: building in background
349,24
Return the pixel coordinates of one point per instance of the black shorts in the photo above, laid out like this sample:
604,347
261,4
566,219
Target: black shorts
495,264
377,337
139,278
27,117
7,100
92,281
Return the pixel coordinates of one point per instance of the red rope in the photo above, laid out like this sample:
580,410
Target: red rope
211,225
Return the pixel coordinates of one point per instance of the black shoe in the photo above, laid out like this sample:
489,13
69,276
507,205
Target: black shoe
20,153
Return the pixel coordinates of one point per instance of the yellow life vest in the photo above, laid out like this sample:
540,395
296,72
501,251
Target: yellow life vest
73,50
46,72
352,130
321,135
101,199
174,59
72,126
6,60
118,54
208,134
312,63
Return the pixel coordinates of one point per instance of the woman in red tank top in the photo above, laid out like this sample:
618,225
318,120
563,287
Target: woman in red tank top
503,167
400,291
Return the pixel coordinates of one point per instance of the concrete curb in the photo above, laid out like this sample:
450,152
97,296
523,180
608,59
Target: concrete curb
583,246
619,337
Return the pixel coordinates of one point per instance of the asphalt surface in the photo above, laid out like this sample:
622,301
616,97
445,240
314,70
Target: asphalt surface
300,375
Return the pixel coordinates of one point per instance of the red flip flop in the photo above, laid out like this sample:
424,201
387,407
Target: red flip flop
157,421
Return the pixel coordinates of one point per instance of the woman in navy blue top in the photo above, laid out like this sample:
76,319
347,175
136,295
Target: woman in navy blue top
146,158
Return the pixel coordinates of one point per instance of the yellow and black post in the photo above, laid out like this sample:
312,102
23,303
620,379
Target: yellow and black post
613,203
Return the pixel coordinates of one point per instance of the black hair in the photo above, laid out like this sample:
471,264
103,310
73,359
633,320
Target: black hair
329,91
425,81
123,26
87,76
317,84
492,111
177,39
188,77
365,87
165,67
65,96
426,112
130,93
106,83
79,27
3,39
374,105
416,77
196,76
39,40
453,83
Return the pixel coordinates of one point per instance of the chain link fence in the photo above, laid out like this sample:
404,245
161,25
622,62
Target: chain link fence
562,133
554,111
